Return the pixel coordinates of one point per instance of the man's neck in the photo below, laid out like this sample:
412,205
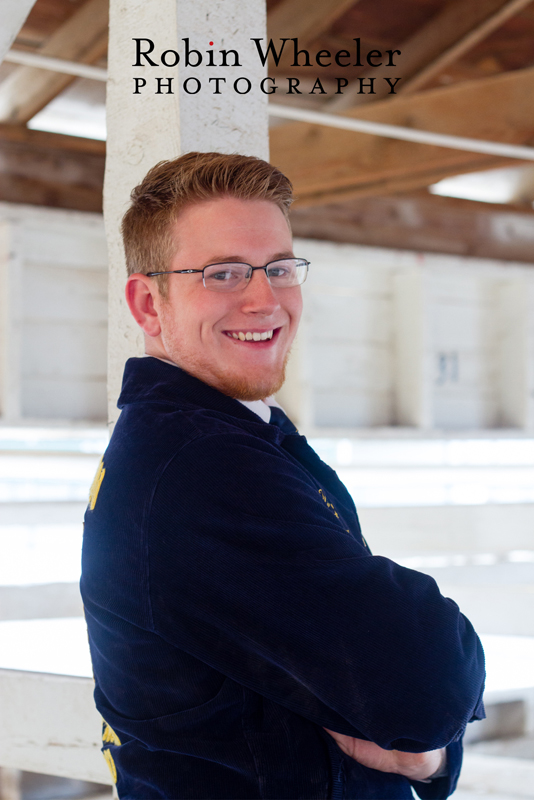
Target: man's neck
260,407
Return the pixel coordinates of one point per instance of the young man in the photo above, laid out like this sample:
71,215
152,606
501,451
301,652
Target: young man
245,642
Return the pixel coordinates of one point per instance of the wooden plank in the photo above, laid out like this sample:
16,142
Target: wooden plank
50,725
14,13
82,38
423,222
325,163
18,134
303,19
453,31
51,169
484,20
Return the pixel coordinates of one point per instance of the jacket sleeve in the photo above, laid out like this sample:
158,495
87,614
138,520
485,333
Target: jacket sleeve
252,572
440,788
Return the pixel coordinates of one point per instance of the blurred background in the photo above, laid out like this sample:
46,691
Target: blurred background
413,375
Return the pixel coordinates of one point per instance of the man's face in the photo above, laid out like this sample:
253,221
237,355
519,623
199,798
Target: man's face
198,325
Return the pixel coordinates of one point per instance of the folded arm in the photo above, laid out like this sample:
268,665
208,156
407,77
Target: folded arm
414,766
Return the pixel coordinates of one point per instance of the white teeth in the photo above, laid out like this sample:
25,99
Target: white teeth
252,337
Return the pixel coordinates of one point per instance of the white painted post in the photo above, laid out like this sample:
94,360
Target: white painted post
14,13
236,120
412,365
50,725
141,132
529,358
10,328
295,396
146,128
511,351
10,784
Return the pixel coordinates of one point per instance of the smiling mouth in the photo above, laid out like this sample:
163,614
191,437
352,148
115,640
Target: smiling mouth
252,336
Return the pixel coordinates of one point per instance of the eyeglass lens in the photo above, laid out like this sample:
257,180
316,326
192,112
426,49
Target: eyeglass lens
229,277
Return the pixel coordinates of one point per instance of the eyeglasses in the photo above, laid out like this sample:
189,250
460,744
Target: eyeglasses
281,274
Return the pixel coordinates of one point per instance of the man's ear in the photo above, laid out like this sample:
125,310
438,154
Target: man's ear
141,293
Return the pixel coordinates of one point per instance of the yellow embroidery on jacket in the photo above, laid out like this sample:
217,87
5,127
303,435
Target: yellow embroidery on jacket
331,505
111,764
96,484
109,735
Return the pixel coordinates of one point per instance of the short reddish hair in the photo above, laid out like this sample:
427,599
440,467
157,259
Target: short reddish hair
171,185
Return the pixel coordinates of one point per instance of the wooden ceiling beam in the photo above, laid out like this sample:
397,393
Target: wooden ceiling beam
451,33
306,20
423,222
70,174
467,35
50,169
326,163
82,38
18,134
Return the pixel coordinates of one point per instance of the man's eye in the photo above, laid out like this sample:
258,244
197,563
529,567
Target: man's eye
223,275
279,272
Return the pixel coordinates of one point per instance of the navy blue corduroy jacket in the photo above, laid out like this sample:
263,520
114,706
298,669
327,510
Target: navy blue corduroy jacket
234,610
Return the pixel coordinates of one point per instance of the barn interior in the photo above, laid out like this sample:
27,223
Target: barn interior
413,374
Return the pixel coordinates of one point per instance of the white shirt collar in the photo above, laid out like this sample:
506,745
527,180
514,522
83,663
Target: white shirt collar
261,407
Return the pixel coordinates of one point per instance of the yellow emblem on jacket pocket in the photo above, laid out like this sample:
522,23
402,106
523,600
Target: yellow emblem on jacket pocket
109,735
111,764
96,484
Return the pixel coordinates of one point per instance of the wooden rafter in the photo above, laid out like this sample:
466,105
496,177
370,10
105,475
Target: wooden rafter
424,222
82,38
67,172
326,164
304,19
453,31
50,169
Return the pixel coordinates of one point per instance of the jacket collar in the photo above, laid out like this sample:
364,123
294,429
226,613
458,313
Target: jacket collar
151,380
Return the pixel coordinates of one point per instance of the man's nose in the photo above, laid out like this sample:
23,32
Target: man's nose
259,296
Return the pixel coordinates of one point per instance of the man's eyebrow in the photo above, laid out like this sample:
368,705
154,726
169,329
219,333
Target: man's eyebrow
225,259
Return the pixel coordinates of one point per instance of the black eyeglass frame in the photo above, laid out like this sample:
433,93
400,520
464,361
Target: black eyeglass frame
248,275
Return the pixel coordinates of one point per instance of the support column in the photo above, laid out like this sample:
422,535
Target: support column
14,13
10,784
413,406
10,323
514,348
146,128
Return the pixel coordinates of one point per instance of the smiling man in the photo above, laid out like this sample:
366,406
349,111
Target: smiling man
237,341
245,642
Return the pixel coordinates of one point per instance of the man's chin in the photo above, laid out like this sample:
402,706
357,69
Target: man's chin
239,384
246,388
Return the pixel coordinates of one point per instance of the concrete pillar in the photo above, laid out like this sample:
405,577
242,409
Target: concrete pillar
14,13
514,349
146,128
10,784
411,345
10,328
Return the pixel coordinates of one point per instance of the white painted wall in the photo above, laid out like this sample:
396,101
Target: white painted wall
53,268
400,338
389,338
